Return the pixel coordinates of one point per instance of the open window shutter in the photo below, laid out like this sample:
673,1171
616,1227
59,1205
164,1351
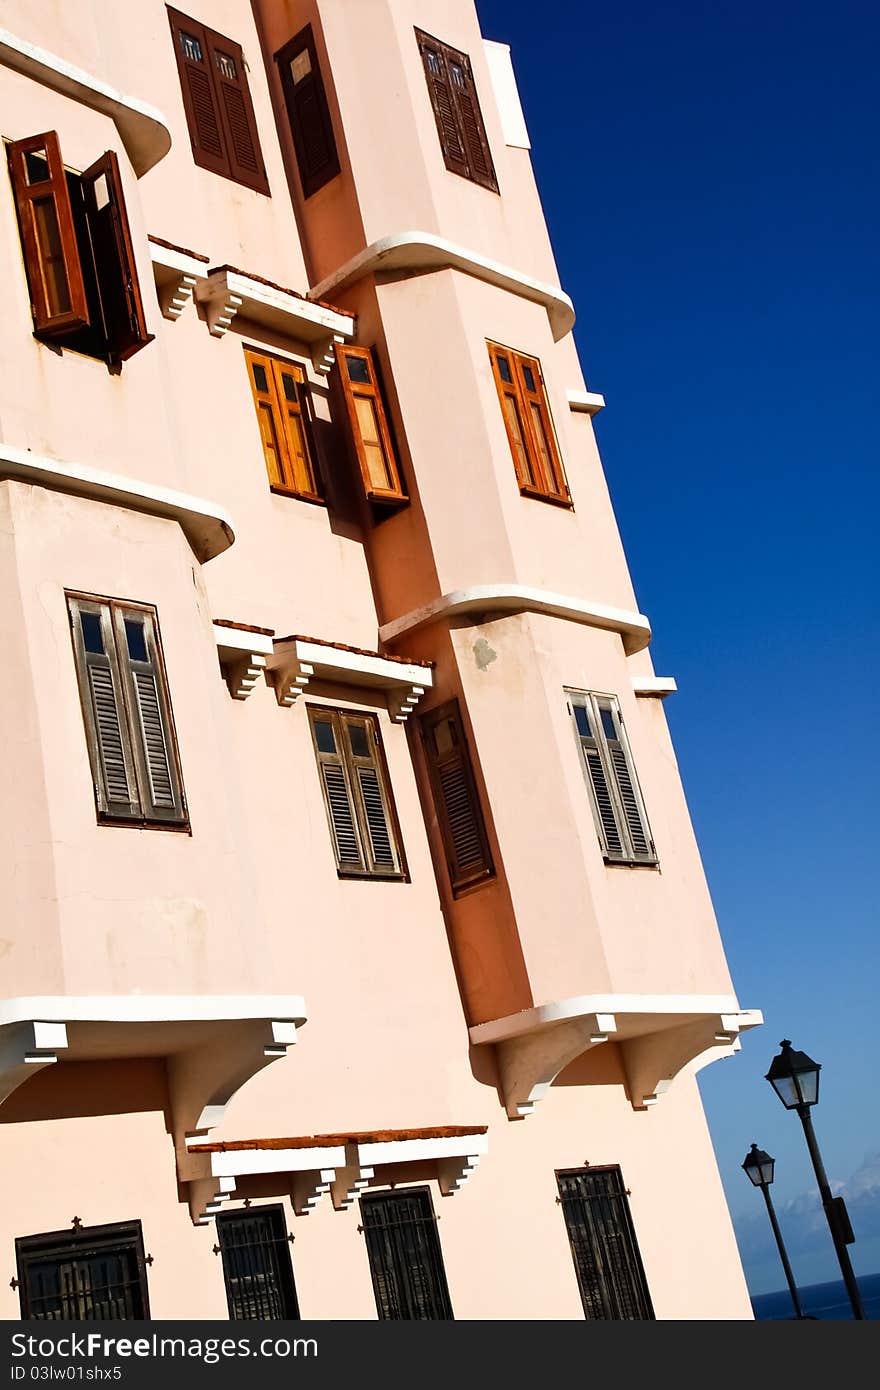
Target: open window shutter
326,733
48,235
291,395
629,795
456,799
200,101
356,373
470,120
437,76
124,323
370,793
262,389
110,754
150,715
308,112
605,813
518,434
536,410
236,112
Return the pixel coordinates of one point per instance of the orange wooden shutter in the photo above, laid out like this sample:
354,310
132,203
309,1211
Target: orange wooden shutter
518,433
291,397
550,477
263,390
194,65
236,112
369,424
456,800
48,235
125,326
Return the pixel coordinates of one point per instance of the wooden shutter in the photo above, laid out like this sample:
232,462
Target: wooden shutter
371,794
100,685
125,326
618,809
356,374
628,793
308,112
326,736
443,103
518,434
356,796
456,800
281,400
236,112
194,66
521,391
457,112
48,235
149,713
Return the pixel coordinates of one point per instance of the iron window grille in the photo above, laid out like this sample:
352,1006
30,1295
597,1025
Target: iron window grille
97,1273
603,1242
257,1268
406,1262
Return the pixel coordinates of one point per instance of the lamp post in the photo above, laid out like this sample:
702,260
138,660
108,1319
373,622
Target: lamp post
758,1168
795,1078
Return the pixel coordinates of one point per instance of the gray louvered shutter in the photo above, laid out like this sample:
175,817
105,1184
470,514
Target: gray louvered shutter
110,756
630,803
341,817
362,740
602,801
149,710
456,801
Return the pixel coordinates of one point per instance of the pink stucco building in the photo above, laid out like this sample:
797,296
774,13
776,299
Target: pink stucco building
349,890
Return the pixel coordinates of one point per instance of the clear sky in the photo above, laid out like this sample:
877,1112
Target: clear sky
710,176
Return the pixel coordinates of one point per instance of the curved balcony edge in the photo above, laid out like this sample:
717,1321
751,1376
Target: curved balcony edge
414,250
634,628
206,526
142,128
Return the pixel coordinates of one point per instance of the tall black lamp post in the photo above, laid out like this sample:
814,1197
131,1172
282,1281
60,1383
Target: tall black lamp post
758,1167
795,1078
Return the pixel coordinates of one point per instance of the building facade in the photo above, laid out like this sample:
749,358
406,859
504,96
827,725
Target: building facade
357,958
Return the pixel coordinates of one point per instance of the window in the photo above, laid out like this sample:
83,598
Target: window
406,1263
456,801
127,713
356,794
281,399
217,102
356,375
457,111
530,432
617,803
257,1267
308,112
96,1273
78,251
603,1245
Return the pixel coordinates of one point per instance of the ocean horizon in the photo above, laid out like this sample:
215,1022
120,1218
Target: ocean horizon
828,1302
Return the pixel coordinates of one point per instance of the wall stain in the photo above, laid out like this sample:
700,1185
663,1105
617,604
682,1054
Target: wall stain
484,655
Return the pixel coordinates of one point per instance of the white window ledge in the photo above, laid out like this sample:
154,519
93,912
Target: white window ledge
212,1044
143,130
634,628
225,292
425,251
654,687
658,1036
243,653
585,402
176,273
298,660
341,1164
207,528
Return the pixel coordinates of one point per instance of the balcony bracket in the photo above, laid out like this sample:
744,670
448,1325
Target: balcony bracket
652,1061
27,1048
530,1063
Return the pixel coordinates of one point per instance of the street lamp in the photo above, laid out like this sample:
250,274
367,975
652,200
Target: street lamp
795,1078
758,1167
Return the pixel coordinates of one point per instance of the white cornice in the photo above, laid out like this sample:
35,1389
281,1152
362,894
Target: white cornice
585,402
225,292
425,251
142,128
654,687
298,660
205,525
634,628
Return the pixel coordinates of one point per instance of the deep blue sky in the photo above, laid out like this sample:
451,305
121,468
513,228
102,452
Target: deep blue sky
710,177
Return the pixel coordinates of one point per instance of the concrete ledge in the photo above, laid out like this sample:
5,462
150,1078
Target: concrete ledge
585,402
425,251
654,687
142,128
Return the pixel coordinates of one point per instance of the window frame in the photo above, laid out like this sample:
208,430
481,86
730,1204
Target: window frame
274,1215
543,481
629,854
632,1266
460,880
30,1249
280,408
464,140
311,179
395,495
144,811
344,757
434,1267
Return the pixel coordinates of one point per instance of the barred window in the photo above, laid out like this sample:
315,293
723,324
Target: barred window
406,1262
603,1245
97,1273
257,1267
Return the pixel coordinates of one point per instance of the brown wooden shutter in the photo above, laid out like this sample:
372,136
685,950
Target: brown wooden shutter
236,112
356,373
48,235
456,800
125,326
110,754
470,120
200,101
443,103
311,125
149,714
